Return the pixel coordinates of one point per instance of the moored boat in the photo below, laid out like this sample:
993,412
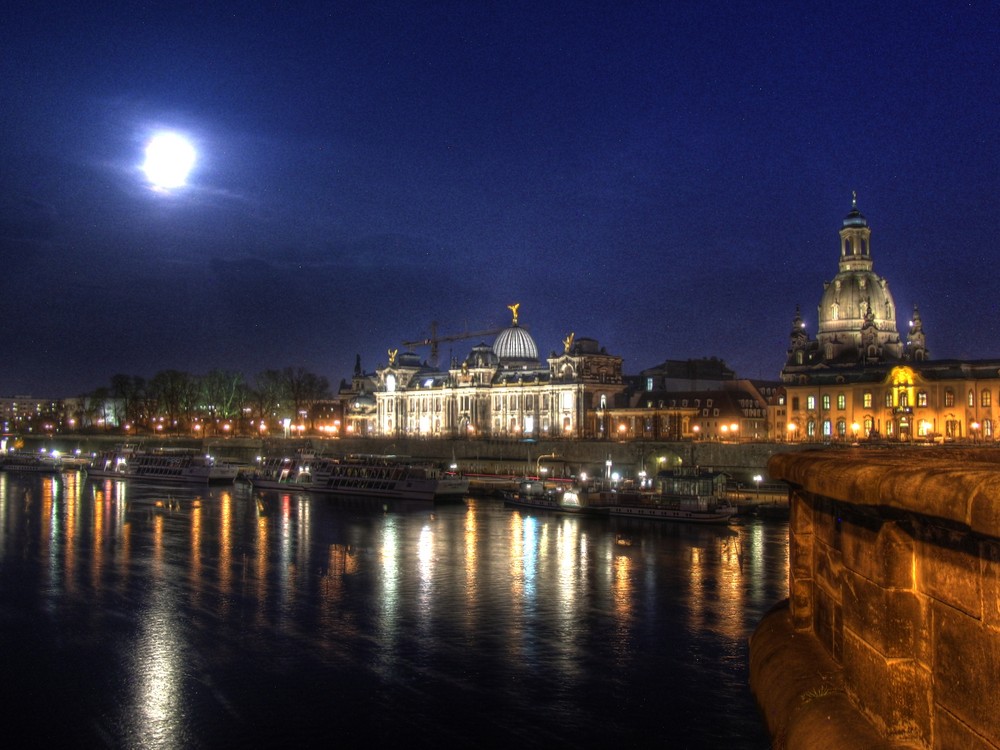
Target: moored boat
372,476
284,473
536,494
169,466
111,463
41,463
691,496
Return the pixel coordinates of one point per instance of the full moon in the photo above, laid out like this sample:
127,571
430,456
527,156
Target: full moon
169,159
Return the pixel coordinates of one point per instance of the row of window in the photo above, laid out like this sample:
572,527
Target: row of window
901,400
952,428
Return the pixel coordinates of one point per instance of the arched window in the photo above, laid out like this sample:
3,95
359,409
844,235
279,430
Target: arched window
869,425
972,398
827,428
987,428
811,428
984,397
841,428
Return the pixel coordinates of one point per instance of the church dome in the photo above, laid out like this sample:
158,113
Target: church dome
855,218
846,300
515,344
857,300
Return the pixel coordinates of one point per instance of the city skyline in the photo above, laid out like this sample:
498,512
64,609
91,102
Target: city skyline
667,180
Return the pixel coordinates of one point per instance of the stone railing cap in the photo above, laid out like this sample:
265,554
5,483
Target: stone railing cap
954,484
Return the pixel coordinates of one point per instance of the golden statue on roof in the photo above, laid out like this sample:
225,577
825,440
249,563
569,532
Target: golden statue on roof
513,309
568,342
392,356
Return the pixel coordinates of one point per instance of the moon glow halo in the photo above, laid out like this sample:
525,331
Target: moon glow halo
169,160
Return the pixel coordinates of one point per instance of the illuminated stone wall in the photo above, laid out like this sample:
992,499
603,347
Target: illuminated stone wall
895,575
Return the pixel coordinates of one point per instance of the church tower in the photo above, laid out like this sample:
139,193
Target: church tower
916,342
857,314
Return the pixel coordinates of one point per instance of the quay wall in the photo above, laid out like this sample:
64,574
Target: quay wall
890,636
561,457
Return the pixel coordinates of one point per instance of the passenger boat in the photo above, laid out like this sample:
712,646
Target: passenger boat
111,463
171,466
372,476
41,463
289,473
451,486
691,496
536,494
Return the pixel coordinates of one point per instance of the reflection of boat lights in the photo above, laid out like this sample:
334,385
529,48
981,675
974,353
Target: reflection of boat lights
425,553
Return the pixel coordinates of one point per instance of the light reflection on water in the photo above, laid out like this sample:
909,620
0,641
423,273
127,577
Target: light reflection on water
165,617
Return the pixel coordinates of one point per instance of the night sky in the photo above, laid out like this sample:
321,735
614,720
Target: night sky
668,178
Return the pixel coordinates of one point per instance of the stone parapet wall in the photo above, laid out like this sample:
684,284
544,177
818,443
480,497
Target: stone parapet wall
894,571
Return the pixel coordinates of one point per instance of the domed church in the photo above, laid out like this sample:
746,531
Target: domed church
857,380
856,314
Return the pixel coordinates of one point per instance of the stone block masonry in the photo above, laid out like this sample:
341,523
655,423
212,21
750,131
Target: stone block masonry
891,634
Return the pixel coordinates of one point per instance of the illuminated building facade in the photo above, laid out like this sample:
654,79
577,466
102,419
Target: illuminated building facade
858,380
500,390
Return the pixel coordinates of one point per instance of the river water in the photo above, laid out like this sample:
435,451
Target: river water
152,617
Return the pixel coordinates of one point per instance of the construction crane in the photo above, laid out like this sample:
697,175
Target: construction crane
434,340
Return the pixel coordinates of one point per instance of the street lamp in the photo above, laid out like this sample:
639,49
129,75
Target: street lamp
975,431
757,480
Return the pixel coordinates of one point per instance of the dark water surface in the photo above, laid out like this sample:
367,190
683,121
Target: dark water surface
141,616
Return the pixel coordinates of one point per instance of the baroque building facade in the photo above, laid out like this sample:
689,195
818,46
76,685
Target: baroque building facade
502,390
859,380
